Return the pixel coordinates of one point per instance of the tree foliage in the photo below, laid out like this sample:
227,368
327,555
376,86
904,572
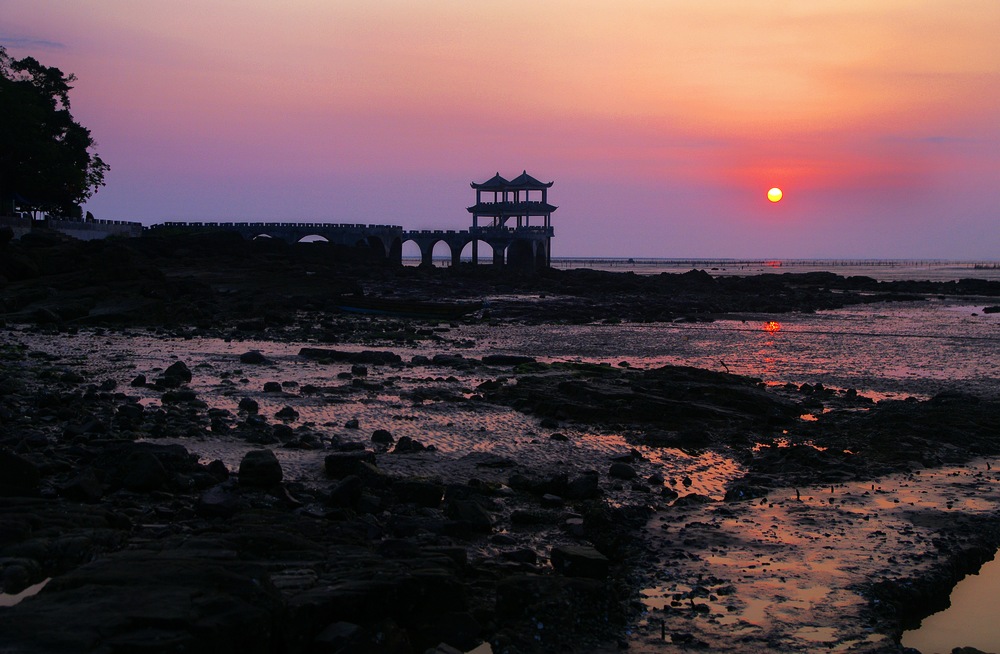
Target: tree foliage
46,158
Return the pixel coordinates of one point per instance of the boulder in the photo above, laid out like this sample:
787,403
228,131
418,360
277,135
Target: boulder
620,470
178,371
579,561
382,437
405,444
260,469
254,357
249,405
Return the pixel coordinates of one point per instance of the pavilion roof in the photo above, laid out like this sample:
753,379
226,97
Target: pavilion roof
512,208
495,183
526,181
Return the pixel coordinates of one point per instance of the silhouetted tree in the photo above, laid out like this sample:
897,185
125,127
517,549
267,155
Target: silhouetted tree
46,163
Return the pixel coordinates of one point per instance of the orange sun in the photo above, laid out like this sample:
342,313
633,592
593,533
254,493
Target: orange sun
774,195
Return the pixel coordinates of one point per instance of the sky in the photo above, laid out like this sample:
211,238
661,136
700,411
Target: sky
662,123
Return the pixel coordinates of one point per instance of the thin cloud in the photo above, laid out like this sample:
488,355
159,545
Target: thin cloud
28,43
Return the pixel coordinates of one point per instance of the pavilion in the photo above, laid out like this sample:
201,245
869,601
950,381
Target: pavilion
506,208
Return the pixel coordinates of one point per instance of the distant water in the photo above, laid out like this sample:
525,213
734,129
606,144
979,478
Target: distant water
881,269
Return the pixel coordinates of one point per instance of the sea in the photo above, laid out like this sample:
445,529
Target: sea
880,269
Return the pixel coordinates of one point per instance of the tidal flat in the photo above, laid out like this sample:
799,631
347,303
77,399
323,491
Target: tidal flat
545,475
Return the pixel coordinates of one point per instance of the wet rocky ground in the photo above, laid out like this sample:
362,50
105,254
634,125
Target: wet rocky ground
342,497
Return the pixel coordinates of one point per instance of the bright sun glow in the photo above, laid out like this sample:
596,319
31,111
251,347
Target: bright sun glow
774,194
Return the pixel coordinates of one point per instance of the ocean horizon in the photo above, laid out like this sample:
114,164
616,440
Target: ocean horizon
880,269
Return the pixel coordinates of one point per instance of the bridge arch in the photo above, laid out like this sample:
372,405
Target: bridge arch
479,251
521,254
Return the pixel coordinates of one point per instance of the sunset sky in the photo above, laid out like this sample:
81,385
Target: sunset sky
663,123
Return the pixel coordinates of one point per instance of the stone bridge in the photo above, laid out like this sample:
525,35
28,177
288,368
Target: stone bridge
522,247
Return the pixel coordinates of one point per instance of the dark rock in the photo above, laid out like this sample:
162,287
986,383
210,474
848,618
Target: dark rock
561,438
534,517
85,487
220,501
342,464
741,492
352,424
347,493
130,413
382,437
254,357
489,460
359,370
18,476
521,555
692,499
398,548
367,356
551,501
287,413
260,468
150,601
418,491
405,444
272,387
579,561
138,380
338,637
506,359
218,470
144,472
458,632
622,471
179,371
249,405
470,516
583,487
184,395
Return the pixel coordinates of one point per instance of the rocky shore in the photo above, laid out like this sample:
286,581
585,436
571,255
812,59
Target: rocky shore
342,535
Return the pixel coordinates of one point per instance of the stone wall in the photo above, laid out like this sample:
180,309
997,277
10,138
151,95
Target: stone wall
79,229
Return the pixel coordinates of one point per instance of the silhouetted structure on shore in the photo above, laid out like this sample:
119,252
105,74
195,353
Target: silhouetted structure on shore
513,217
502,218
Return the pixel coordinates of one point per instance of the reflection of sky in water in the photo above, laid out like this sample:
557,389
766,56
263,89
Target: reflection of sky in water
886,349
